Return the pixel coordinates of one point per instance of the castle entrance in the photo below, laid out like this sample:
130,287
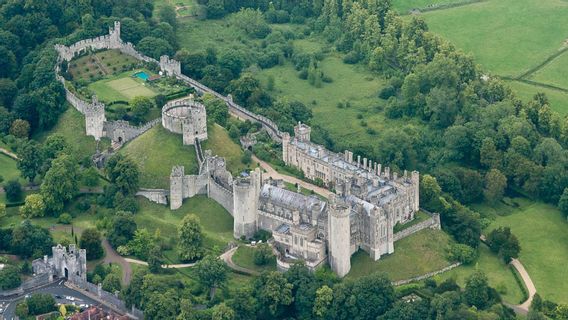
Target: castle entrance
66,273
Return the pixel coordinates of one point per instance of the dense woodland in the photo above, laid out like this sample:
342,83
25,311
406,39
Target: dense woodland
475,142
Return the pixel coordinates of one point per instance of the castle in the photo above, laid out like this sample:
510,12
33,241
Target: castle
368,203
70,264
186,117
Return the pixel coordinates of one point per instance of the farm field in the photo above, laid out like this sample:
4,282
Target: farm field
498,273
543,235
507,37
156,152
558,100
429,245
554,73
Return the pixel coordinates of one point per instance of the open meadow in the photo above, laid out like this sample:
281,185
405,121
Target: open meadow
121,87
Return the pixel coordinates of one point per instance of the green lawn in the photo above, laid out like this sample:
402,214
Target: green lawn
71,125
554,73
543,236
420,253
507,37
498,273
216,222
156,152
558,100
404,6
219,142
122,87
244,257
8,169
418,217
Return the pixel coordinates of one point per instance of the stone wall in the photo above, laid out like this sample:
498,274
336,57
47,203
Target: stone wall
155,195
38,280
220,194
122,131
433,223
113,300
427,275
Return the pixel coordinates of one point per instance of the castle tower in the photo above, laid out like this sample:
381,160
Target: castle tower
169,66
246,192
115,41
285,142
95,119
339,237
176,187
302,132
415,176
195,126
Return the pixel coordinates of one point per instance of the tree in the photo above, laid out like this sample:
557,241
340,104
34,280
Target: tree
8,92
13,191
141,106
243,304
123,229
90,177
60,184
273,293
33,207
2,210
190,238
504,243
155,47
211,273
20,129
31,160
495,183
222,312
111,283
141,244
124,173
30,241
63,310
252,22
155,259
22,310
167,14
563,202
462,253
262,254
91,242
9,277
430,191
324,297
40,303
162,305
477,290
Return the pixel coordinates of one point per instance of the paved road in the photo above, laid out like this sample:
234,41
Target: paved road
55,289
276,175
228,258
9,153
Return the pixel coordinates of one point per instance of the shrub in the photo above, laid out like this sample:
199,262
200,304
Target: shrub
65,218
262,254
83,205
387,92
13,191
462,253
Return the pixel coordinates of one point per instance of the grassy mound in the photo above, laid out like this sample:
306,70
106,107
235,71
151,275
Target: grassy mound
219,142
420,253
156,152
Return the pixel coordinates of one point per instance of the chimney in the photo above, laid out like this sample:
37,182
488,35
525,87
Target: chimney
358,161
346,155
365,163
379,169
387,173
350,157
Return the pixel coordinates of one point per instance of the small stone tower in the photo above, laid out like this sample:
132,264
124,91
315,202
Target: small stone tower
114,36
176,187
339,233
170,66
302,132
95,118
415,177
195,127
246,192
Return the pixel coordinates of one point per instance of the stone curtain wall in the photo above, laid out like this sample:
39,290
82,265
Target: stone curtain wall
112,300
427,275
220,194
433,223
155,195
123,131
39,280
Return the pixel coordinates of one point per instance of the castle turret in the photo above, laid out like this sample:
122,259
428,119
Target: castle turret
302,132
95,118
339,237
246,192
176,187
114,38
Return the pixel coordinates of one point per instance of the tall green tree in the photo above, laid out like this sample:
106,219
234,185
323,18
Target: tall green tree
60,184
190,238
495,184
30,160
91,242
211,273
273,293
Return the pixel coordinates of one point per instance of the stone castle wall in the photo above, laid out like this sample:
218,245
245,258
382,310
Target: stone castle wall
186,117
433,223
159,196
123,131
221,194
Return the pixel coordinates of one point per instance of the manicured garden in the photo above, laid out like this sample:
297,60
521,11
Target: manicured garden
121,87
420,253
156,152
99,64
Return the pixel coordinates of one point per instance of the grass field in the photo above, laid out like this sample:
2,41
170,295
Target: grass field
404,6
8,169
100,64
71,125
420,253
498,273
244,257
220,143
156,152
543,235
121,87
507,37
558,100
216,222
554,73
